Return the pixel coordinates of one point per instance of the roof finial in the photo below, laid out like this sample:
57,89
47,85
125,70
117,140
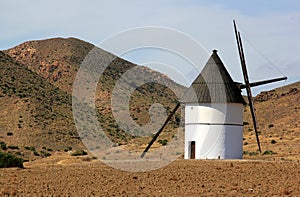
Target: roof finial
215,51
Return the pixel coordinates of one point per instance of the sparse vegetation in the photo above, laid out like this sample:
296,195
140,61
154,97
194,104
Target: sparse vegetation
270,126
273,142
45,153
53,106
79,153
163,142
36,153
13,147
86,159
68,149
245,123
250,153
31,148
268,152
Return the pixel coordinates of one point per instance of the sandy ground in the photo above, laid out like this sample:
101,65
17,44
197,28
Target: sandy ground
74,176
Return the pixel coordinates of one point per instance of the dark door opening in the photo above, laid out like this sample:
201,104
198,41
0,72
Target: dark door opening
193,149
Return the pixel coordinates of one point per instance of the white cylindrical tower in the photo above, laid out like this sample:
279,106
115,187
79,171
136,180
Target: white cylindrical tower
216,129
213,114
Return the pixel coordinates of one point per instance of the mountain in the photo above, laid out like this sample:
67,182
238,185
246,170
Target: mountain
54,64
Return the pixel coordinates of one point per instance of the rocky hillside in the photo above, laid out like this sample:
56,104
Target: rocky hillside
33,112
54,64
56,60
278,113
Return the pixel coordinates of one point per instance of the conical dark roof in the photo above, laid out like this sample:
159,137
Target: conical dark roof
213,85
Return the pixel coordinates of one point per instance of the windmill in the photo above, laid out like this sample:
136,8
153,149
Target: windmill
214,111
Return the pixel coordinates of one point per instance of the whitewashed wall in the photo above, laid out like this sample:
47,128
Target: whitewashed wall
217,130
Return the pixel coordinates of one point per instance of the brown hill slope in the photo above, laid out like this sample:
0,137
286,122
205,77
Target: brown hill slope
55,59
33,112
278,113
62,57
58,60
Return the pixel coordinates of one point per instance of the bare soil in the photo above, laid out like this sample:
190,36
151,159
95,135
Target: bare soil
63,175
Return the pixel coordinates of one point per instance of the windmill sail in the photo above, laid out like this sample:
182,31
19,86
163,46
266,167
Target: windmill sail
258,83
160,130
247,83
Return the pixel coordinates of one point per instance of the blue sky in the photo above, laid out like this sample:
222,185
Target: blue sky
258,8
273,27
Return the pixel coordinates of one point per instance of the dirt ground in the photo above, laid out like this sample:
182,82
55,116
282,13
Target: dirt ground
79,176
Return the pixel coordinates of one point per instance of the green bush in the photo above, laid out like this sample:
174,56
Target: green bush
45,154
3,146
8,160
163,142
31,148
36,153
13,147
271,125
79,153
268,152
250,153
273,142
68,149
245,123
